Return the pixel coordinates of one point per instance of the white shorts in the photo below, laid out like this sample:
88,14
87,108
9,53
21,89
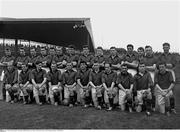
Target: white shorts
110,94
122,96
28,88
161,99
141,94
15,87
40,91
69,91
84,92
52,89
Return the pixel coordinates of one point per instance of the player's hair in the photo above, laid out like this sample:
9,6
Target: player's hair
32,48
71,46
85,46
166,44
130,45
21,48
124,65
59,47
141,48
84,62
38,62
100,48
113,47
160,63
51,47
140,63
43,47
148,46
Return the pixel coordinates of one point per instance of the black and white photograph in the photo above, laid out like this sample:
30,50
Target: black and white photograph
89,65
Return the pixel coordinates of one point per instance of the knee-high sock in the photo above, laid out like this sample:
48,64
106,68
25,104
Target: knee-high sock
172,102
111,102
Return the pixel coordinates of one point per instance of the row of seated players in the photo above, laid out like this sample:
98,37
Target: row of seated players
93,86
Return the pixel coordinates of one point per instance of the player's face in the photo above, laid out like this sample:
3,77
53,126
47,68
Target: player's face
53,67
96,66
141,68
39,66
166,48
24,67
8,53
140,52
10,67
51,52
85,51
43,51
113,52
83,66
33,52
99,52
149,51
107,67
124,69
69,66
22,52
59,52
71,51
162,68
129,49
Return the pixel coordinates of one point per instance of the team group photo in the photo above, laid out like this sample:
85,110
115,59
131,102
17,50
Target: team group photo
56,74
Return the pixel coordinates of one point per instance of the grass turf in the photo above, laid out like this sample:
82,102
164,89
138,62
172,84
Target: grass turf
19,116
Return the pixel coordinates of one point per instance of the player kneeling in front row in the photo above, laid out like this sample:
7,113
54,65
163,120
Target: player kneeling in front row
143,84
38,78
108,80
83,84
25,85
95,80
11,82
164,83
125,83
55,89
69,82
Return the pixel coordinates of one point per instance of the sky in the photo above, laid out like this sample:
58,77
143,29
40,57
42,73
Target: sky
114,22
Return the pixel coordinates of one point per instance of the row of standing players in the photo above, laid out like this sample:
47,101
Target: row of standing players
96,80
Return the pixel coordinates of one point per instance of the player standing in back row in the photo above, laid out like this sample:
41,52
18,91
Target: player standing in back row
170,61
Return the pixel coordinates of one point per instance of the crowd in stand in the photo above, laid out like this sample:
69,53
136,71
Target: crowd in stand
134,81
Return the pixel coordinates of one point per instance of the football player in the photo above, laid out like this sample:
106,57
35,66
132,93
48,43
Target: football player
55,88
95,81
125,84
39,78
25,83
164,84
69,83
11,82
143,85
83,84
108,81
